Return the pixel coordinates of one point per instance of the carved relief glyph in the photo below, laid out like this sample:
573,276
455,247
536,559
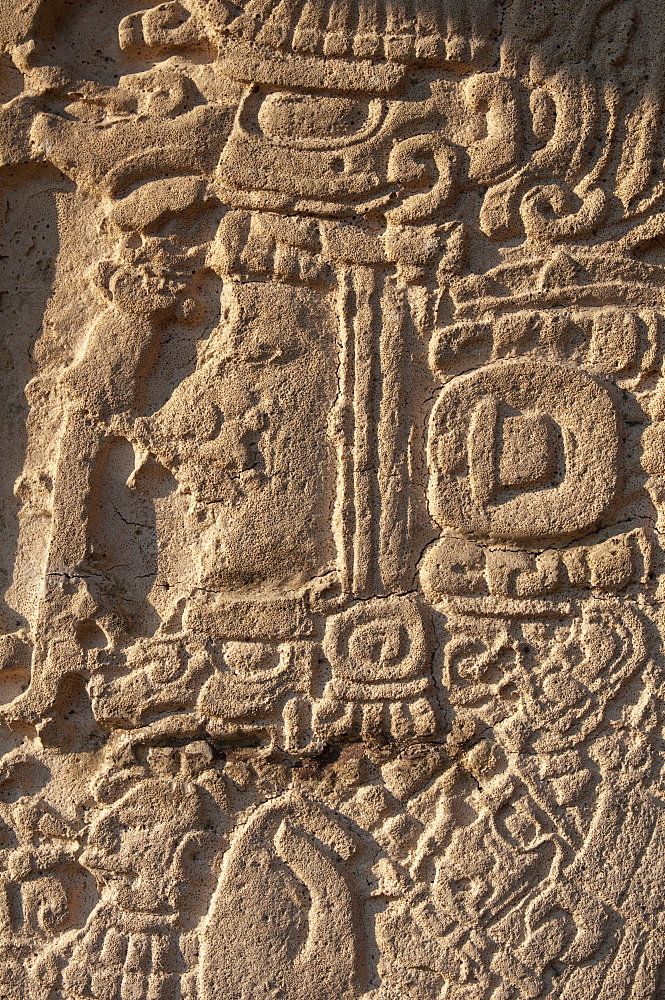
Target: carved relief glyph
332,574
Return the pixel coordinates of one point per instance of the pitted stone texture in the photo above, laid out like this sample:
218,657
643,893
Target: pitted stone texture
333,492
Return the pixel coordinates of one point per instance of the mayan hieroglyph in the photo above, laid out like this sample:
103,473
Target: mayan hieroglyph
332,571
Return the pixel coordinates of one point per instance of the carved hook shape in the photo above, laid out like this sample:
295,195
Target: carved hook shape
417,161
548,216
280,924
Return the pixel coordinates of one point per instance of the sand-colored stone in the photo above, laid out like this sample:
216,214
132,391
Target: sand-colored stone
332,496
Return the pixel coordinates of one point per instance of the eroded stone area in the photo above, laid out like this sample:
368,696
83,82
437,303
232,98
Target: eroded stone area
331,561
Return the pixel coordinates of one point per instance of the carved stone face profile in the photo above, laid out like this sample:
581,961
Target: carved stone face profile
138,848
232,435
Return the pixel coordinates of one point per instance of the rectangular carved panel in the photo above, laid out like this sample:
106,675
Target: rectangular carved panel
333,494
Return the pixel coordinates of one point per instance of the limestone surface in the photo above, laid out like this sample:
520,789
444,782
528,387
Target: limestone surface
332,500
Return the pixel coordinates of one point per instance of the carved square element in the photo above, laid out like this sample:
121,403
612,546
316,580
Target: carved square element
528,451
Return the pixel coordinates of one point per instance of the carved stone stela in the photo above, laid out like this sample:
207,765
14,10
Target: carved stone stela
332,570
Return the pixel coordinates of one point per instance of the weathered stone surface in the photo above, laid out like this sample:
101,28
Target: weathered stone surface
333,492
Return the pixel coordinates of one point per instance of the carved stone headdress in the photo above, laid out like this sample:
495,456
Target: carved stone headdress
364,45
